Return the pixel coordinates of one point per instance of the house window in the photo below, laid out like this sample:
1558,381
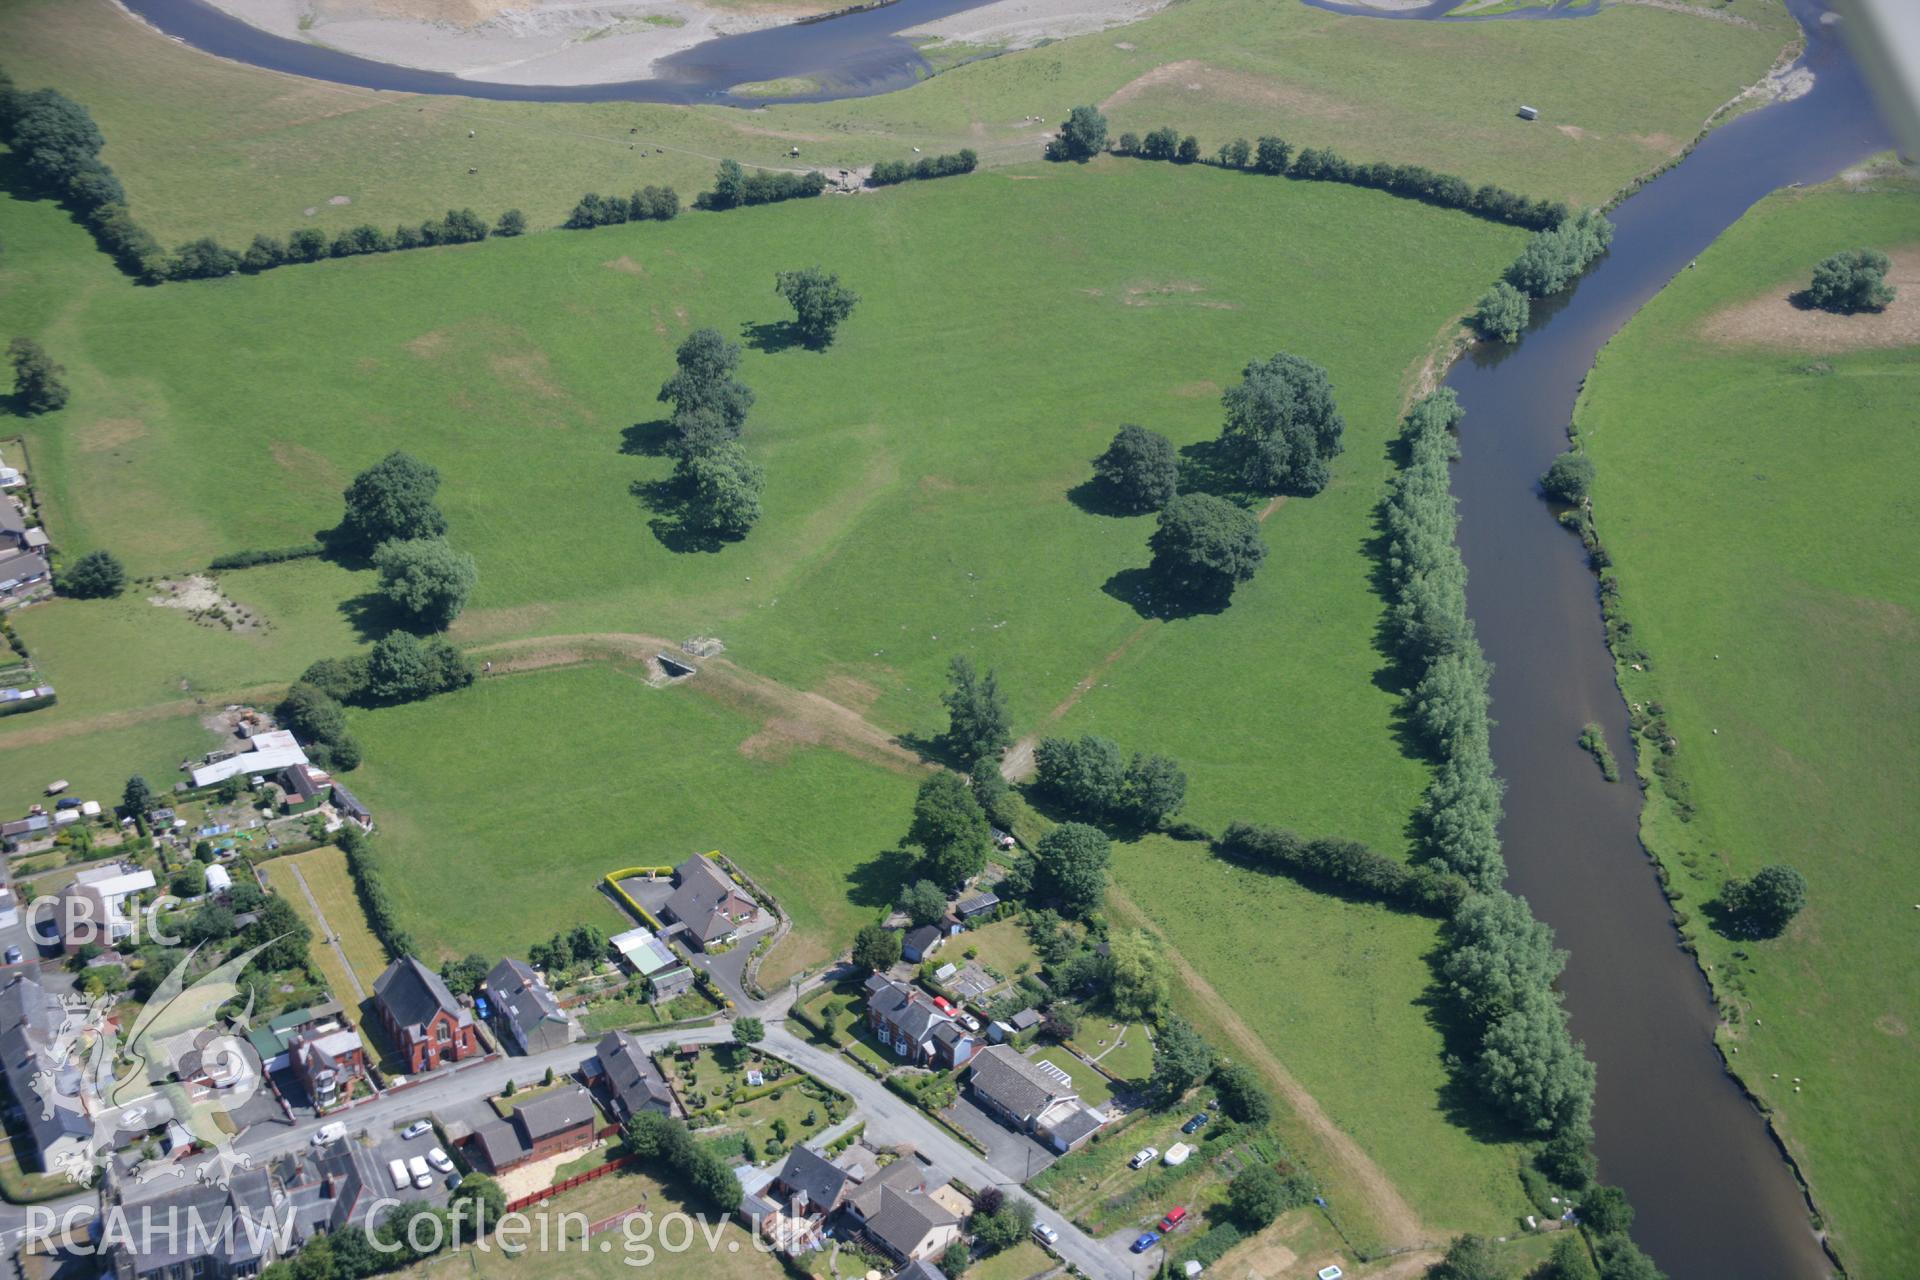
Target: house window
441,1033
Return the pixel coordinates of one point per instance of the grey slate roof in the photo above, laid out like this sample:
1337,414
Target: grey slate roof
922,938
905,1218
30,1019
704,898
920,1269
1014,1084
413,994
1079,1123
521,998
978,903
810,1173
631,1076
555,1112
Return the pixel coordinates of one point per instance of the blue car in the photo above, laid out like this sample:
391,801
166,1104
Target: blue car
1146,1241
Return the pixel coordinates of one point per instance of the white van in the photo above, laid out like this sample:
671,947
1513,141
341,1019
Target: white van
329,1133
422,1176
397,1170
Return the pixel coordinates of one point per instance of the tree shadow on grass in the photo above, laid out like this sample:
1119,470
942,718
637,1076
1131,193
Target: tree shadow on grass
1205,467
647,439
876,882
672,522
1098,498
1143,591
372,616
774,336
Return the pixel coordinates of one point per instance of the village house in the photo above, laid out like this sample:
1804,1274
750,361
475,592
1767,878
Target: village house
544,1126
918,1027
896,1210
707,904
422,1018
904,1208
529,1019
95,907
1032,1097
328,1062
23,551
31,1023
626,1079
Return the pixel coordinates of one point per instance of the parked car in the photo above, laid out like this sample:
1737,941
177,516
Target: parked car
1196,1124
329,1133
422,1176
1329,1273
1143,1157
69,802
438,1159
1175,1216
1045,1234
970,1022
397,1170
415,1129
13,955
1147,1240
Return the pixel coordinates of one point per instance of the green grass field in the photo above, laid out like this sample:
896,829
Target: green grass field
529,788
1342,993
1752,491
207,146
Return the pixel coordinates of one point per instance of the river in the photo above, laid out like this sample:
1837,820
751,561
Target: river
1713,1195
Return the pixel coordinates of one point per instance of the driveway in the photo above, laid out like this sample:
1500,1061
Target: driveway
1016,1155
730,965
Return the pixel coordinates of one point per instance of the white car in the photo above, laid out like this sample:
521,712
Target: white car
970,1022
397,1170
1143,1157
415,1129
329,1133
422,1176
1045,1234
438,1159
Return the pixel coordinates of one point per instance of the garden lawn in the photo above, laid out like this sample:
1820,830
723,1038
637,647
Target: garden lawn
1092,1087
209,146
326,875
527,789
1755,499
97,758
1129,1058
1002,947
1343,994
1021,1262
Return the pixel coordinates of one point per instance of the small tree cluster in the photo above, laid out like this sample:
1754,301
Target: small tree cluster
1203,547
1502,314
38,384
363,868
398,668
95,575
979,727
876,948
1259,1194
1140,469
1136,982
1070,868
426,578
721,484
648,204
584,944
1570,478
950,830
1002,1227
887,172
1082,136
1241,1094
207,258
320,722
1763,906
1282,425
392,501
1855,280
1092,778
819,301
1555,256
734,187
1182,1059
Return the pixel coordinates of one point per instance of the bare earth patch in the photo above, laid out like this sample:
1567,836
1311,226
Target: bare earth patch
1774,321
429,345
108,433
301,460
1193,76
1196,390
200,597
1173,292
625,265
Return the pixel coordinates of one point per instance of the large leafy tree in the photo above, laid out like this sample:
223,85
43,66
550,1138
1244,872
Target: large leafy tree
286,936
978,723
1282,425
427,578
820,302
1502,314
1181,1059
1081,137
1138,985
1470,1258
876,947
1204,547
1071,867
393,499
54,135
1241,1094
950,828
1855,280
709,403
1140,469
37,383
723,487
94,575
1763,906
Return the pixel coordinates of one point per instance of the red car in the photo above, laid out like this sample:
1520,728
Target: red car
1175,1216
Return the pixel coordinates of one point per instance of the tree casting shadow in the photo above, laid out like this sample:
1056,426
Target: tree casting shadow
1143,592
774,336
672,525
647,439
1098,498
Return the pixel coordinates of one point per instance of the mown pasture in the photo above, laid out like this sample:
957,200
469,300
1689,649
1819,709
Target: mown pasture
1753,467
